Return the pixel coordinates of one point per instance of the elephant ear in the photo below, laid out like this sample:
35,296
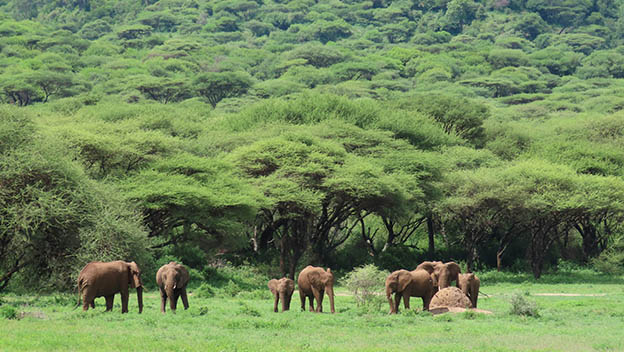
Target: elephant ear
453,268
130,276
272,285
314,278
404,279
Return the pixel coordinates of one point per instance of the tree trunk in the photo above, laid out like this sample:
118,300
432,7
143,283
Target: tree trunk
591,241
283,258
430,230
536,266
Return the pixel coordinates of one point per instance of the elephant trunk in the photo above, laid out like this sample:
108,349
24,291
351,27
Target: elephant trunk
171,296
330,293
140,298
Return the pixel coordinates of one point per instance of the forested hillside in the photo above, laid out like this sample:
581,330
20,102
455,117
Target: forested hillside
284,133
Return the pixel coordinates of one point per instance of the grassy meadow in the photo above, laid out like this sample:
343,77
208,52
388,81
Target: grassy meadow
589,317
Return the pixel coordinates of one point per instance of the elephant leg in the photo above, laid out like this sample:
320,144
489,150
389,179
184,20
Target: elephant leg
109,302
320,301
163,300
184,298
406,299
397,301
87,301
426,300
287,305
302,297
317,297
93,303
391,303
275,301
311,299
176,295
124,300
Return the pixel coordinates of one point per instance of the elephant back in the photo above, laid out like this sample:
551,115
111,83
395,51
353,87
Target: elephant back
398,281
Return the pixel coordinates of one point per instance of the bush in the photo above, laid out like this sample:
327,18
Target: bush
8,312
231,289
521,306
367,284
204,291
610,262
248,310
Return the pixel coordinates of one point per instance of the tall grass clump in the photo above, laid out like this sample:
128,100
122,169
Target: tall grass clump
522,306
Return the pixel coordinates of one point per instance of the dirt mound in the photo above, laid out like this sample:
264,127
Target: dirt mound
450,297
442,310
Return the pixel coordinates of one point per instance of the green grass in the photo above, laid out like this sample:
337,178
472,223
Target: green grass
566,323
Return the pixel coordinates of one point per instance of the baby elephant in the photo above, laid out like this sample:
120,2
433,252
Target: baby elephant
172,279
469,284
282,288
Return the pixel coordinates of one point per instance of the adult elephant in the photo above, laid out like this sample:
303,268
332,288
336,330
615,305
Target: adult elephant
172,279
430,268
442,274
282,289
469,283
313,282
406,284
105,279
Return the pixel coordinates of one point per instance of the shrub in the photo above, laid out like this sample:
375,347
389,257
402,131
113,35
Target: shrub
522,306
366,283
610,262
248,310
204,291
8,312
231,289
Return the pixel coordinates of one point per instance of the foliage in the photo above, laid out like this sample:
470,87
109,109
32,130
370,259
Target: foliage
522,306
282,133
611,261
8,312
220,323
365,283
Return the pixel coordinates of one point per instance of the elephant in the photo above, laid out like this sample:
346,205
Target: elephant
282,289
406,284
469,283
313,282
442,274
105,279
172,279
430,268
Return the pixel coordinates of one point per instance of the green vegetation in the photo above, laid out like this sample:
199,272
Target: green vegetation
278,134
246,322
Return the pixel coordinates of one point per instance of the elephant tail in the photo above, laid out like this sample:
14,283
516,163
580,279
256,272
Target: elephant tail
483,293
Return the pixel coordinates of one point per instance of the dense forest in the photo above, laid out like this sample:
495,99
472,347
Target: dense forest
283,133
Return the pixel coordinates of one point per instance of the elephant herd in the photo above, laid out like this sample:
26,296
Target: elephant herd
105,279
426,280
100,279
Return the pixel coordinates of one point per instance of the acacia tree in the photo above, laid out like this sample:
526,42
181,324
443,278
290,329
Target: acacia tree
312,186
51,83
216,86
17,90
53,219
599,212
164,90
188,198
